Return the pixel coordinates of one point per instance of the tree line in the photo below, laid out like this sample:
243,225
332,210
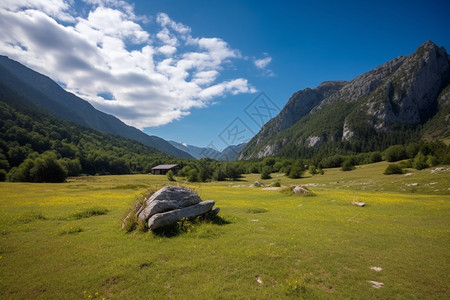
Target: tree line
37,147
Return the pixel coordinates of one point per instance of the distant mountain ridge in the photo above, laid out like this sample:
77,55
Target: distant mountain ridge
44,93
404,99
228,154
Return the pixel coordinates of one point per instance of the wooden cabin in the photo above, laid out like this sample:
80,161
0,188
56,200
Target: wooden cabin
163,169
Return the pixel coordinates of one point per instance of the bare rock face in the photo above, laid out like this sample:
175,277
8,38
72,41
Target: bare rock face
407,91
172,203
173,216
168,198
410,94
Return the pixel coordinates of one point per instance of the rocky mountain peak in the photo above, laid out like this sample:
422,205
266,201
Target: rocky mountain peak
401,92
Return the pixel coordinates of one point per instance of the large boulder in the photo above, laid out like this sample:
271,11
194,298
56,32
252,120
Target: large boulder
173,216
168,198
171,204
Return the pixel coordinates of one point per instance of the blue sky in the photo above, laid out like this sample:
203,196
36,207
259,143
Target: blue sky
210,72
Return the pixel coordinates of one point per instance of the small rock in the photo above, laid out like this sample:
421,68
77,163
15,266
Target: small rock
258,280
376,284
254,221
412,184
257,184
300,190
376,269
360,204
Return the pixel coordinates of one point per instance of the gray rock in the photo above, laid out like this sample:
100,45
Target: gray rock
167,218
300,190
168,198
257,184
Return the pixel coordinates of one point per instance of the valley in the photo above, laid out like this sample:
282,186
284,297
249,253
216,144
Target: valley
271,243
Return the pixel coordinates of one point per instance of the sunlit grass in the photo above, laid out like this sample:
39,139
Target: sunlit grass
272,245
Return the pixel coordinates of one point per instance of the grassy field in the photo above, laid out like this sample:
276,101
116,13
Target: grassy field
63,241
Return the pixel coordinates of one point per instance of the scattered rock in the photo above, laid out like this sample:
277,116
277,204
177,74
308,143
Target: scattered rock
258,280
376,269
300,190
408,174
376,284
254,221
360,204
432,183
311,184
440,169
272,188
412,184
257,184
171,204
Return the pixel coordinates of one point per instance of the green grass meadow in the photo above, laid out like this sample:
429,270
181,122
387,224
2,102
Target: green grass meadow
64,241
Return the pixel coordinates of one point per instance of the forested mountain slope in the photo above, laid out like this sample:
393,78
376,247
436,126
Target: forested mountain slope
44,93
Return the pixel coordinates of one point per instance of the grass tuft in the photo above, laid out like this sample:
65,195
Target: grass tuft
90,212
29,217
257,210
70,230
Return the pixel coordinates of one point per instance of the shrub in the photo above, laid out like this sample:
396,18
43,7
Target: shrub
170,176
312,170
375,157
393,169
2,175
432,161
296,172
406,163
347,165
192,175
420,161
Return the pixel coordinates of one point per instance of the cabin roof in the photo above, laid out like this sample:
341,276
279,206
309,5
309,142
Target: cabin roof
164,167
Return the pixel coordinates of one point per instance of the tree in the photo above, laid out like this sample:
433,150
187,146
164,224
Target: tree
265,174
170,176
395,153
219,174
296,171
47,169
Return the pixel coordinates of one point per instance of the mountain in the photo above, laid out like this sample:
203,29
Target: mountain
40,147
228,154
196,152
403,100
44,93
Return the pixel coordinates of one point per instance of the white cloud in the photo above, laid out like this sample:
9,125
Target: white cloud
151,78
263,62
53,8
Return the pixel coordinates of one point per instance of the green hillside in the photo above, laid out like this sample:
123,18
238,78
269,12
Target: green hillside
34,146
